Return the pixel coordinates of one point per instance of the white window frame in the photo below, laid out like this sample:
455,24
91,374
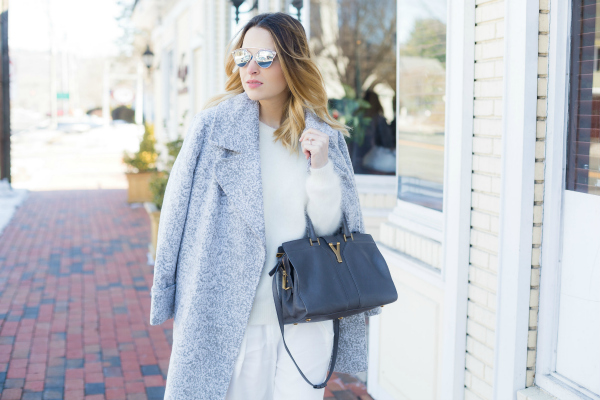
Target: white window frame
554,183
426,221
423,220
451,227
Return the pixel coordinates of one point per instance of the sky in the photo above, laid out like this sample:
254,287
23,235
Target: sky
86,27
89,27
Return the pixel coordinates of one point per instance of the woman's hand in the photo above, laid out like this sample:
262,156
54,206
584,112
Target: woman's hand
316,145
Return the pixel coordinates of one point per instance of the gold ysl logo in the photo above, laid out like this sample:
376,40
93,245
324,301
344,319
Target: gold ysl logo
336,250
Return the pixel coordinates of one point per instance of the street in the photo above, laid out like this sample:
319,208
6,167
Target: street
44,159
75,279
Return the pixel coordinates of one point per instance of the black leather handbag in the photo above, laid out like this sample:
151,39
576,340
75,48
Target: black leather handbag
329,278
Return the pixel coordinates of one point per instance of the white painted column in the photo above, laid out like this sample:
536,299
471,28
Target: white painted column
139,96
516,197
457,193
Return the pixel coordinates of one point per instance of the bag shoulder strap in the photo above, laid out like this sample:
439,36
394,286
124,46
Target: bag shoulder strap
336,336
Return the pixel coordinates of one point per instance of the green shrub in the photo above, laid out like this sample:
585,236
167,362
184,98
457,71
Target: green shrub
350,110
158,182
144,160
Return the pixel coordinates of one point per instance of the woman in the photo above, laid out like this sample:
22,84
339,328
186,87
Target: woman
237,190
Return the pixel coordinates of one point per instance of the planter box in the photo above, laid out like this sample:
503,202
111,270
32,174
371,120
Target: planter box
139,186
154,214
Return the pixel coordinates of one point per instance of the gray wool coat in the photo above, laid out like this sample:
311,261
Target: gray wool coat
211,248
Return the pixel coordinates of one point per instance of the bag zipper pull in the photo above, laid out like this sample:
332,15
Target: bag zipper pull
284,281
280,262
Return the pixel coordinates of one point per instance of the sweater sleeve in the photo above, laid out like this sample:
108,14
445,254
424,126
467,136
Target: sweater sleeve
324,192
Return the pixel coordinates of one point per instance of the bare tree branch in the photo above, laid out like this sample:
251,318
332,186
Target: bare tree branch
365,43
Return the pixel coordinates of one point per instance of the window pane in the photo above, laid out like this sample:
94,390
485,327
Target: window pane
354,45
422,95
583,147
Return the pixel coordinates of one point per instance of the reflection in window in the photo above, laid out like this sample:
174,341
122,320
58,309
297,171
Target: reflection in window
354,45
421,97
583,153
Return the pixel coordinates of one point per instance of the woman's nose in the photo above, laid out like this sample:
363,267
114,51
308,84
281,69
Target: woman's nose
253,66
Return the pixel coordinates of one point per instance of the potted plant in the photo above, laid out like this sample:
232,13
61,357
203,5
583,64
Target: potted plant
141,167
158,184
350,111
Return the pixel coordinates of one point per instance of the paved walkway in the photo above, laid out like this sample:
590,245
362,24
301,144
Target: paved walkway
75,303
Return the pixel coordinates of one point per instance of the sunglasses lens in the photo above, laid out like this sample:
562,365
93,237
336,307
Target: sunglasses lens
264,58
241,57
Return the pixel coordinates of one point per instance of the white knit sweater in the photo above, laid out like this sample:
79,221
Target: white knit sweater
287,189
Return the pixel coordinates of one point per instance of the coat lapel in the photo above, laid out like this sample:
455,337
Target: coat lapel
237,170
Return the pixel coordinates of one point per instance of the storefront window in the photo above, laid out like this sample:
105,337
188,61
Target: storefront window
422,101
354,45
583,148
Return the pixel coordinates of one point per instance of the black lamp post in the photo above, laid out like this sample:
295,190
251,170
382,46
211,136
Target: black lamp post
237,4
147,57
298,4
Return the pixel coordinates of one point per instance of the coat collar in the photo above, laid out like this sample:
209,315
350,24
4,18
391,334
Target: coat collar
235,124
235,127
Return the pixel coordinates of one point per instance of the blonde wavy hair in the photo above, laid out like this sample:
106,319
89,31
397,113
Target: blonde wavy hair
304,80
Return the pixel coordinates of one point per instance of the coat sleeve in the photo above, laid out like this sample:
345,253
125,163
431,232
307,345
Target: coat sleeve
351,194
172,220
324,199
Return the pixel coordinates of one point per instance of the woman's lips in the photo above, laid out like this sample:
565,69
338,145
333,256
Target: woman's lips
253,85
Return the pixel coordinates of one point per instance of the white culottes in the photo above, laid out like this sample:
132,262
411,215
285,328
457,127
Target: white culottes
265,371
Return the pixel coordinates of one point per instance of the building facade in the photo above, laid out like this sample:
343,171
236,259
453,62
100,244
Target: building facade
478,167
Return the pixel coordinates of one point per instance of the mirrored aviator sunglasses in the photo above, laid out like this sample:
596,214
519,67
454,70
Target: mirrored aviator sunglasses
264,57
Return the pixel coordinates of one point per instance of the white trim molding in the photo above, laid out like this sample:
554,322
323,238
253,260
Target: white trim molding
554,178
559,60
515,242
378,184
457,194
421,220
411,265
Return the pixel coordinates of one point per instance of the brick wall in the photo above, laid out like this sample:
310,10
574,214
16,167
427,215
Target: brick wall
485,198
544,26
486,195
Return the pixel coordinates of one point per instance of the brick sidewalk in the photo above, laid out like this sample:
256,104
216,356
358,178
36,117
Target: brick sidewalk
75,303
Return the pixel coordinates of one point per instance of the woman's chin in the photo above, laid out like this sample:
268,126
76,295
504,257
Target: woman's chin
253,95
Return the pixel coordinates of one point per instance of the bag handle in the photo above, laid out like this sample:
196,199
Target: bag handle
336,334
311,230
